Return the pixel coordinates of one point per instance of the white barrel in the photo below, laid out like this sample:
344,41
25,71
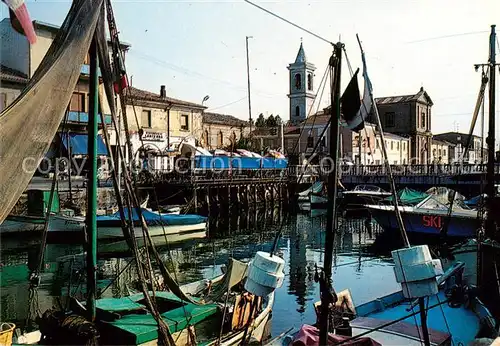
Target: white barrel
265,274
415,269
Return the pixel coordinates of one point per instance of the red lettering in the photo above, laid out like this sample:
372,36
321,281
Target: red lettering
432,221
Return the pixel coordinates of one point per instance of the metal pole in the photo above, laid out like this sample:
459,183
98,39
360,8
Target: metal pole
91,221
326,285
482,132
490,172
423,321
388,167
248,81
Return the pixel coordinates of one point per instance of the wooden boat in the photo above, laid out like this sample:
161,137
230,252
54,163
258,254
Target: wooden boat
125,321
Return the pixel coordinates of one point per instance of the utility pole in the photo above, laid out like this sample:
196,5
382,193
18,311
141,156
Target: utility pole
248,82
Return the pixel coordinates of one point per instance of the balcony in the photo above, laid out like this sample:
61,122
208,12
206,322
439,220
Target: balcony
83,118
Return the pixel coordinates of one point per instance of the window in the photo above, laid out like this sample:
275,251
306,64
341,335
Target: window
378,144
146,118
297,112
3,101
404,161
439,152
395,162
397,145
377,162
404,146
309,81
77,102
423,120
185,122
310,141
392,145
206,138
220,139
298,81
389,119
444,152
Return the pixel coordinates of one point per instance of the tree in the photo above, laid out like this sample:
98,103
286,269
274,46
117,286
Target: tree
271,121
278,120
261,121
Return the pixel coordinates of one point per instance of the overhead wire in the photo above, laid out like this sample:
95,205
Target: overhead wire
226,104
289,22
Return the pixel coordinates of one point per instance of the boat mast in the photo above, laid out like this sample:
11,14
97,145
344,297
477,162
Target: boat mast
91,221
327,297
490,171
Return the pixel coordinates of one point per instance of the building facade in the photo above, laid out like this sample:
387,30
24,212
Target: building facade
301,82
165,123
476,152
409,115
362,147
20,60
441,151
222,130
12,83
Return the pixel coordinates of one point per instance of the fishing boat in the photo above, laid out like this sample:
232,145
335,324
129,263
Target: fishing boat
427,218
109,227
216,311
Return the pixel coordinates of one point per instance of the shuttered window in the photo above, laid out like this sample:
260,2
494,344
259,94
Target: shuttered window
77,103
146,118
184,122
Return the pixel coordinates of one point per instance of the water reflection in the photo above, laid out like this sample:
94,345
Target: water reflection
238,236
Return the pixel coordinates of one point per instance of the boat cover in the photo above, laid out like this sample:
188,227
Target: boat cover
153,218
476,201
309,336
409,196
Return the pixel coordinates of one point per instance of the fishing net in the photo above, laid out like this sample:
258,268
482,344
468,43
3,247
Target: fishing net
29,124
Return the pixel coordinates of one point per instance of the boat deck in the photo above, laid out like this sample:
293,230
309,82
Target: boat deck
463,323
132,325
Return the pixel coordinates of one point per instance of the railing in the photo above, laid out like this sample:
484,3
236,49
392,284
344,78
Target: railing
418,170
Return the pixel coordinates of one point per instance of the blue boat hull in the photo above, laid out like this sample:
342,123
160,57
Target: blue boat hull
426,224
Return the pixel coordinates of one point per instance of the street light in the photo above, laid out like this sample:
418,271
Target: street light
205,99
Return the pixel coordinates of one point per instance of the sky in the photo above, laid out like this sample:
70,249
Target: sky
197,48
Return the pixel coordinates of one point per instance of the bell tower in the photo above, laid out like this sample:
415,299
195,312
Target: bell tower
301,76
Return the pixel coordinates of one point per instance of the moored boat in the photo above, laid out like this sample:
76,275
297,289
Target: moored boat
428,218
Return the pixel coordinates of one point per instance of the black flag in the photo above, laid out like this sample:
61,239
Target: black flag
351,101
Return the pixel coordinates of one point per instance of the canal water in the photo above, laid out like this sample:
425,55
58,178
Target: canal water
357,267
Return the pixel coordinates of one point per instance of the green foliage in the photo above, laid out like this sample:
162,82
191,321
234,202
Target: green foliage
261,121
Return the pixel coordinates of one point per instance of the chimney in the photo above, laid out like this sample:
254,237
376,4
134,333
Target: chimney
163,92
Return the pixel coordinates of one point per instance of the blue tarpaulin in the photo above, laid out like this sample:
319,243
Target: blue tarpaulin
154,218
79,143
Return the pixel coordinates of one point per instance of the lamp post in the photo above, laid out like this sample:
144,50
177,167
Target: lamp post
248,82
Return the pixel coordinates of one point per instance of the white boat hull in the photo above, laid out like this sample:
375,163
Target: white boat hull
73,225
